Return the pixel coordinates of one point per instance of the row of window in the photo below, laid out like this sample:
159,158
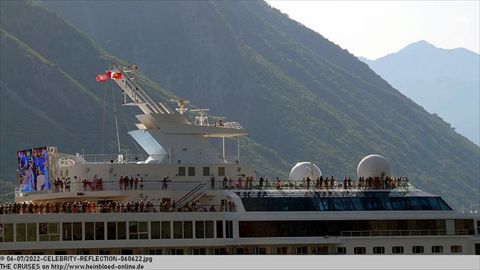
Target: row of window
343,203
239,250
182,171
400,250
122,230
348,228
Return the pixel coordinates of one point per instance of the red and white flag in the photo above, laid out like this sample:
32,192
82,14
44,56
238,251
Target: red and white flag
116,75
101,78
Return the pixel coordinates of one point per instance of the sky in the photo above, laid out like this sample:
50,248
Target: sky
373,29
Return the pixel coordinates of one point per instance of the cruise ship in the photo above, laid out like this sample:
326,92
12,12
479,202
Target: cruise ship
185,196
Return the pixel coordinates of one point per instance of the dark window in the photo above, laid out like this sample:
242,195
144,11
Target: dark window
368,203
191,171
99,231
157,251
301,250
219,229
176,251
89,231
67,231
397,250
199,229
221,171
341,250
177,230
260,251
281,250
456,249
187,229
77,231
181,171
209,229
32,232
359,250
417,249
22,232
155,229
121,230
166,234
437,249
240,251
229,229
305,228
199,251
206,171
378,250
111,230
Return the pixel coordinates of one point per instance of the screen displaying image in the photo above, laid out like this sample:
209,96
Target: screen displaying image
33,169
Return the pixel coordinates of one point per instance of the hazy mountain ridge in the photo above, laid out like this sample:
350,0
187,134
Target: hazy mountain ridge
444,81
296,92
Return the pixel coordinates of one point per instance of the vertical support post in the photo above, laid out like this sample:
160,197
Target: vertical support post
223,148
238,148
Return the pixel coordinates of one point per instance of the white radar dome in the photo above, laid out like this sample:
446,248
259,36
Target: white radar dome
373,166
303,170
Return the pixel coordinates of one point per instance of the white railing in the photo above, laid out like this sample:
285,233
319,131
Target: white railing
399,232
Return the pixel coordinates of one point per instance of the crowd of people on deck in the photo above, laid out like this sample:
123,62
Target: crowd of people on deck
246,182
317,183
95,184
130,183
111,207
62,184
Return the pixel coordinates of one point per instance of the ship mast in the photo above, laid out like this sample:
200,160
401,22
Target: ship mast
136,95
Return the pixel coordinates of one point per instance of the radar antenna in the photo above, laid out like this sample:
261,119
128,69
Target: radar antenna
201,120
182,105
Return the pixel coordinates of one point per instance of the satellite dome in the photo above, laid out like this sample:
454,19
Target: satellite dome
303,170
373,166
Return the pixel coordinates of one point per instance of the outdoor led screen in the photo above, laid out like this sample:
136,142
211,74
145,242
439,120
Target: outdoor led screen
33,169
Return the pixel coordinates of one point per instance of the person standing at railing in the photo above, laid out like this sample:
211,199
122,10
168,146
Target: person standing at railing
67,184
130,181
141,183
239,182
225,180
260,182
278,183
136,183
308,182
120,182
212,182
165,180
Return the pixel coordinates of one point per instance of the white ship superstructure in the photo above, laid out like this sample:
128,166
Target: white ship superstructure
186,197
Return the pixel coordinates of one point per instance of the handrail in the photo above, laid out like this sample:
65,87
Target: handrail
120,207
400,232
190,193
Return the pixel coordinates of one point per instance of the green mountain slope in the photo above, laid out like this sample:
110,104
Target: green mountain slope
295,91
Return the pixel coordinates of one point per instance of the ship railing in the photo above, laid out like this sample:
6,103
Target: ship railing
400,233
120,207
289,185
126,158
115,185
69,160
